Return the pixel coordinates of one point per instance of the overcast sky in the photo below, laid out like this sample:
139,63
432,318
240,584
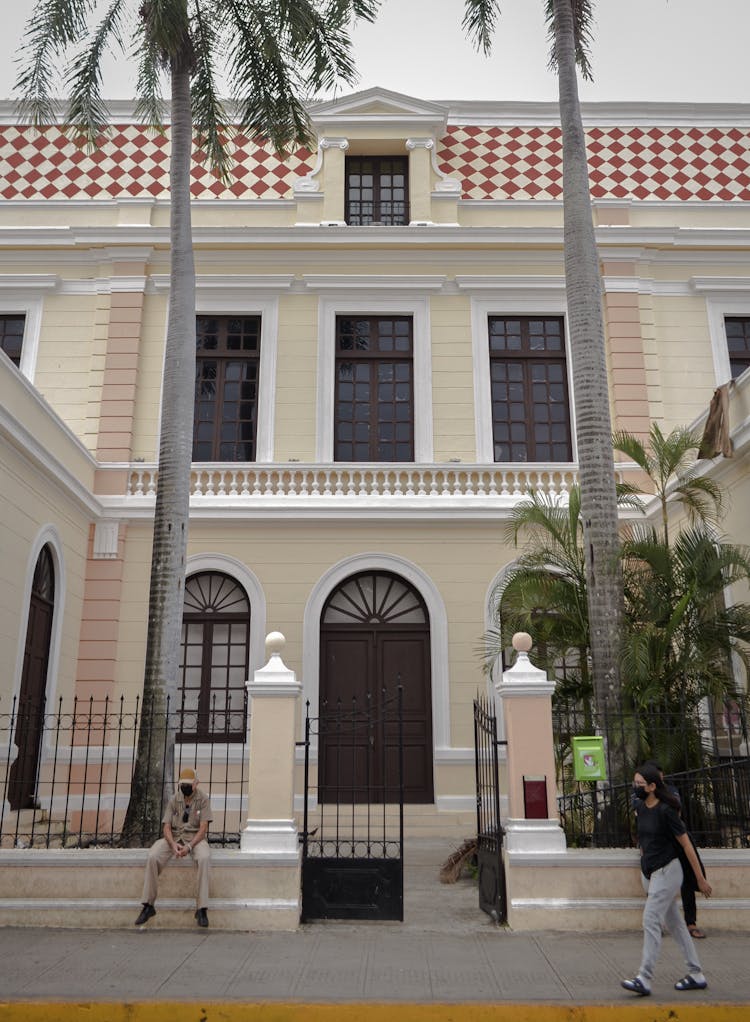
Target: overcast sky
675,50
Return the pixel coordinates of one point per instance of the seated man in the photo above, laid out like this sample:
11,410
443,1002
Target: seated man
186,821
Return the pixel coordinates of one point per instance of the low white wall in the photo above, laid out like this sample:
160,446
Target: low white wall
101,888
600,889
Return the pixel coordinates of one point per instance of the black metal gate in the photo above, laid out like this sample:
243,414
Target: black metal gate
492,898
353,831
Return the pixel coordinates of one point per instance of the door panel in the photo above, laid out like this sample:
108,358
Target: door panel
28,736
356,662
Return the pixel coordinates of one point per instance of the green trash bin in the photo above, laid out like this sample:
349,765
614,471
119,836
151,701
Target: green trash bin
589,762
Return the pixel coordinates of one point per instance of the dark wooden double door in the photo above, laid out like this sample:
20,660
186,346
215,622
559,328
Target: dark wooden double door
29,716
361,670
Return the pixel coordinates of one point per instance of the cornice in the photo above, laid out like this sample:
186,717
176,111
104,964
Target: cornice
510,282
474,112
229,284
435,236
625,114
29,283
36,454
370,282
720,285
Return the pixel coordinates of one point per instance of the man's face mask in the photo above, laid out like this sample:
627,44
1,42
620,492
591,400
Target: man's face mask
186,789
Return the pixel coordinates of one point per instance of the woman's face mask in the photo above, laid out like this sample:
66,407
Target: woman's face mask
186,789
639,791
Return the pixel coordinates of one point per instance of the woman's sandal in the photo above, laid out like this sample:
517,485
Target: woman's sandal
696,932
688,983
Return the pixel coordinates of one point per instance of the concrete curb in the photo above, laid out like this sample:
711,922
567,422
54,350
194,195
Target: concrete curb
222,1011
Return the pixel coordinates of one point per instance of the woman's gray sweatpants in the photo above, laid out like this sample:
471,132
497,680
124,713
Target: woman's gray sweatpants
661,908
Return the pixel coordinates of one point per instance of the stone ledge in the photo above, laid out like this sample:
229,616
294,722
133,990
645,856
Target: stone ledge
85,888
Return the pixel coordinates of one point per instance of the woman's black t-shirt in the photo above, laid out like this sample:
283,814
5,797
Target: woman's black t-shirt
658,829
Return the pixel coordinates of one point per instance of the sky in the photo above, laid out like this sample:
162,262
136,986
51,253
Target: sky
659,50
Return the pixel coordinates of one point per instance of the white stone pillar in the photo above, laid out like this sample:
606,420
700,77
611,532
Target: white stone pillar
527,711
271,831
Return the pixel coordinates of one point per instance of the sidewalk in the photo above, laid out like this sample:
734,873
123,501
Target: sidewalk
446,963
367,965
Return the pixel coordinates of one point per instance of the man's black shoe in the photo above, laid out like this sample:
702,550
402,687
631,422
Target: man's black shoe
146,912
202,917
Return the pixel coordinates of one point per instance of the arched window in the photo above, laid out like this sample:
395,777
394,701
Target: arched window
215,659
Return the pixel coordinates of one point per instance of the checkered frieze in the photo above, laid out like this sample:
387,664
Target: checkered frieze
495,163
133,163
625,163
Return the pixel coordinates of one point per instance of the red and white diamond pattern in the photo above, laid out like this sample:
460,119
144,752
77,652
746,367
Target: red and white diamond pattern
491,163
133,162
624,163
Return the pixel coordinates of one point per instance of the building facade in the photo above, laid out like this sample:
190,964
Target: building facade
382,373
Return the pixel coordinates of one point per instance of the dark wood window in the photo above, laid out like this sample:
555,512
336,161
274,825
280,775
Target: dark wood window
529,389
374,403
226,388
377,190
738,343
11,336
214,659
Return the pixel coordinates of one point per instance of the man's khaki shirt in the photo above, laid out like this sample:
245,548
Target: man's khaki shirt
200,812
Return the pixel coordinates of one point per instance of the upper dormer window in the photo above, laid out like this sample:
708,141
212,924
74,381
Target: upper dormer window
377,190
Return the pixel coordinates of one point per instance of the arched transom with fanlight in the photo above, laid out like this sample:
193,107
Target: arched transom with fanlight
215,659
375,599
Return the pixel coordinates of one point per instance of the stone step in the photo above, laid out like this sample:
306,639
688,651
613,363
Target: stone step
31,828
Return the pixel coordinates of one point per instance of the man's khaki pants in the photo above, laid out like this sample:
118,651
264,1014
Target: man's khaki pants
160,854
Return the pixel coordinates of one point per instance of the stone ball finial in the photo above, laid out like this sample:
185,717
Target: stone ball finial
522,642
275,642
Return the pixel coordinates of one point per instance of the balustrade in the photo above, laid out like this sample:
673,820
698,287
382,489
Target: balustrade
265,483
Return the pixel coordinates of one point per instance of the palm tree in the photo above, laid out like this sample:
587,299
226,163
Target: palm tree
569,23
673,473
544,591
272,53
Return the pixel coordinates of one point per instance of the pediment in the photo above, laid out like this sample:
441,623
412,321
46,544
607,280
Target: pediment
379,108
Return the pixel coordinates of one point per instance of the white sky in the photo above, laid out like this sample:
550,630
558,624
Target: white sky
674,50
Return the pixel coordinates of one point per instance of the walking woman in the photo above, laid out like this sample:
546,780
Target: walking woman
660,832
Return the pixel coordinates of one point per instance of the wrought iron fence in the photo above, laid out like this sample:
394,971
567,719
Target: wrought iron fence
353,826
492,891
704,753
66,769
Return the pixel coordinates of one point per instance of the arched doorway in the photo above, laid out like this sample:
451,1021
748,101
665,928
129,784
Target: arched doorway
31,698
214,660
375,634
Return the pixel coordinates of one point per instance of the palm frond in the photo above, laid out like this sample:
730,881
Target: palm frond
53,26
583,20
479,22
87,111
209,115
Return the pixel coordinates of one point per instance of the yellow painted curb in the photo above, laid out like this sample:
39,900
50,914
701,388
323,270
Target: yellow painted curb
158,1011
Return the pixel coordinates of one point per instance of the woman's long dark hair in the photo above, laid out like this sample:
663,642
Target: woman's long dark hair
652,775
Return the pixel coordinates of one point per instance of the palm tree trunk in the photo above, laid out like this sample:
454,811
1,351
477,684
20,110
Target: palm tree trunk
154,768
593,423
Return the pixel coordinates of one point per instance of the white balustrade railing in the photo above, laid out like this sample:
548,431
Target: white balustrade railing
363,482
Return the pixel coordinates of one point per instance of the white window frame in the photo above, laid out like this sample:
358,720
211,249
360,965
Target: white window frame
718,309
365,304
524,303
19,303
